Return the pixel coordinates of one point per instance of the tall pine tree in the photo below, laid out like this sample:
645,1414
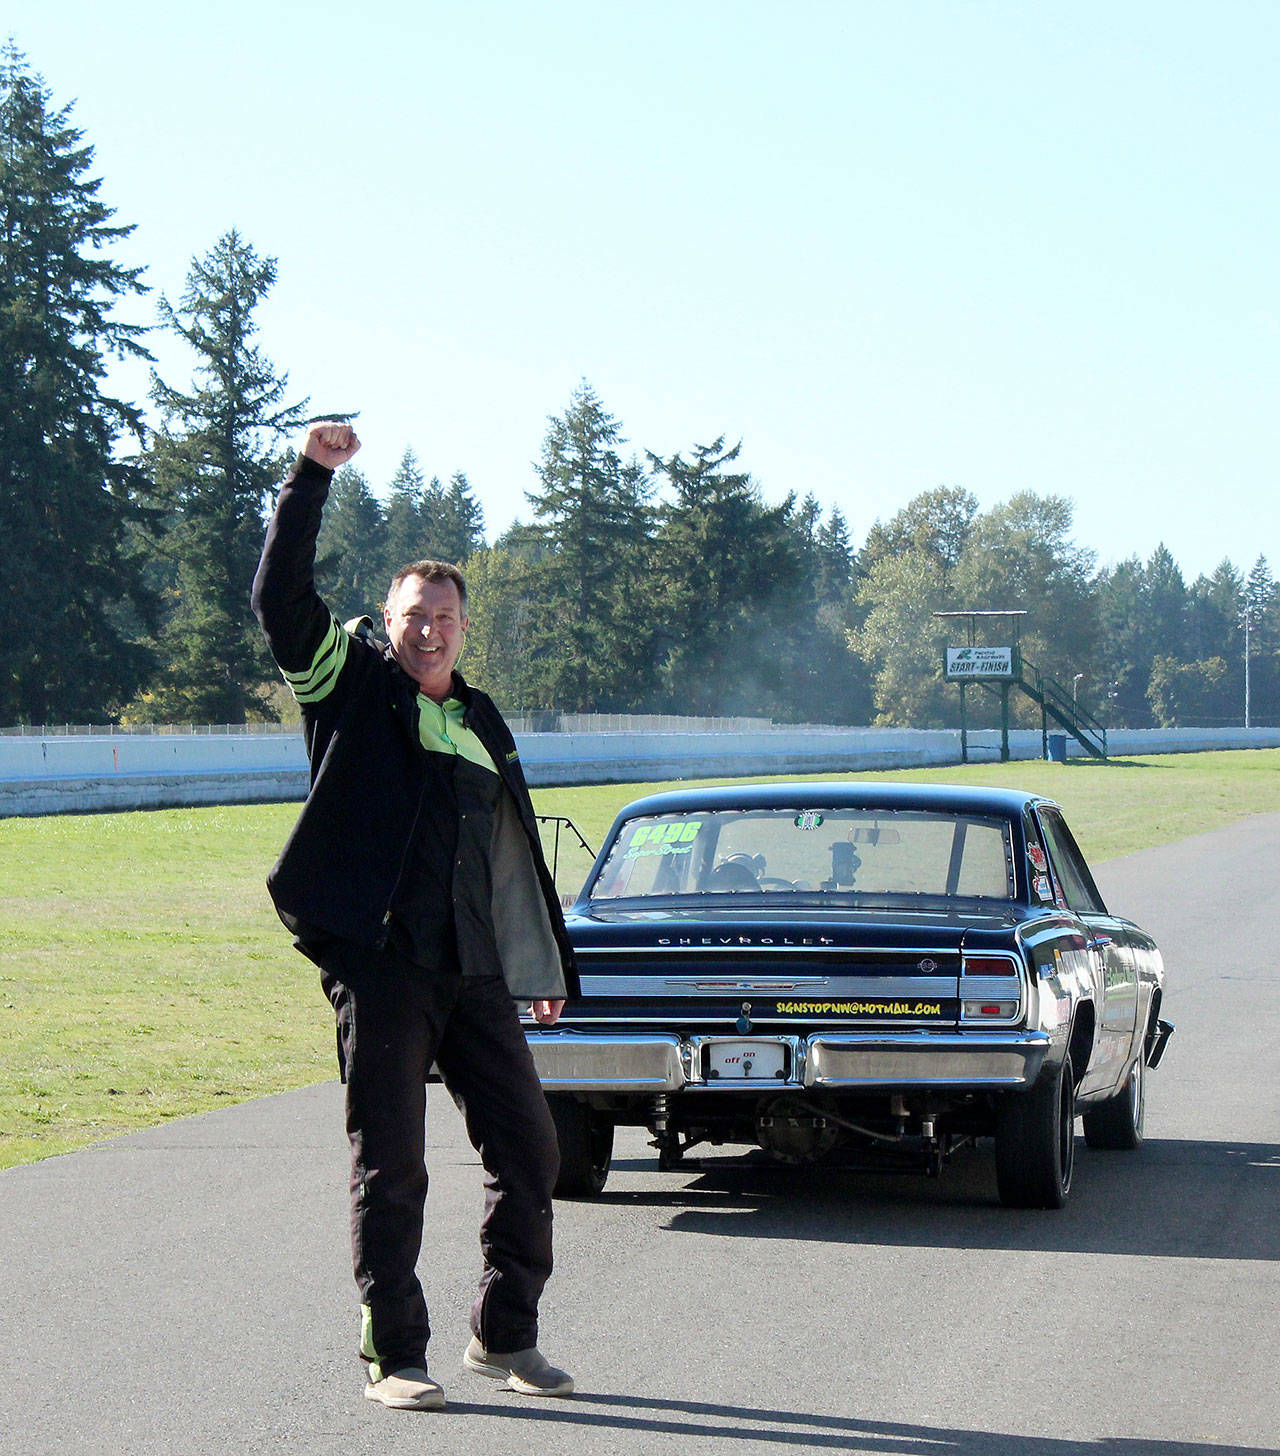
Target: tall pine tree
823,680
214,464
426,519
70,582
1214,612
459,526
729,584
351,552
1262,607
591,625
404,541
1142,612
833,561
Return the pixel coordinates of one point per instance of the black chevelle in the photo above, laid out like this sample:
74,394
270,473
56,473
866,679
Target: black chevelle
855,973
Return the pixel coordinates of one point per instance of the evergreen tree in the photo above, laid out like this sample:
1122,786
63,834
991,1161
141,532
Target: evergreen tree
833,561
806,522
1165,592
214,464
1142,613
1261,606
1125,650
429,520
820,679
591,519
839,673
730,584
1214,612
405,529
458,526
351,552
431,506
71,589
1196,677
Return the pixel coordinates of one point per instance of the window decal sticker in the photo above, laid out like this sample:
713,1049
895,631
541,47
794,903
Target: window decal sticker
674,838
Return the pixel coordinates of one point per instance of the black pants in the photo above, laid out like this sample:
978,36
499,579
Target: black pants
393,1022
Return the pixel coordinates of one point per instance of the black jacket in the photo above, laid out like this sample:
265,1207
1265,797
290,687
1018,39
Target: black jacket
341,867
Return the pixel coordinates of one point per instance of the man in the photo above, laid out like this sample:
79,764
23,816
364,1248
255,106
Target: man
415,879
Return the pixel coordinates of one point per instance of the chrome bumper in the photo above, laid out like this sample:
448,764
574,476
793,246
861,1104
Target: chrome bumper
585,1062
571,1061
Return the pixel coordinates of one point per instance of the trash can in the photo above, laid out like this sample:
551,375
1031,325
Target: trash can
1057,747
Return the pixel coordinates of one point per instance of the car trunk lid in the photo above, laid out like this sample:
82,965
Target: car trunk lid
779,975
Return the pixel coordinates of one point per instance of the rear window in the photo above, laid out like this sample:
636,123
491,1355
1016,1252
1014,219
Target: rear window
809,852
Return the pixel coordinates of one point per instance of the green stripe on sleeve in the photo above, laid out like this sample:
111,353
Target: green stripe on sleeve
317,681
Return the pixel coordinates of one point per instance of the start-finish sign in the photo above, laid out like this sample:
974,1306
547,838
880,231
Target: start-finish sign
983,662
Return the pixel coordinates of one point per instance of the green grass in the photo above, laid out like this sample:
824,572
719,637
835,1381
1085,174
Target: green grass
144,975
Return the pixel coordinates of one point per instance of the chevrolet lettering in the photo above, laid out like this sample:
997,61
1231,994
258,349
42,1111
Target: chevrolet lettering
747,940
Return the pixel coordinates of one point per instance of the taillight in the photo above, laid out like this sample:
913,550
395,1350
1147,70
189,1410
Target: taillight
997,996
978,965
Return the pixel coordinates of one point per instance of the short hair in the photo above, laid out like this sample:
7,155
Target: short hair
432,571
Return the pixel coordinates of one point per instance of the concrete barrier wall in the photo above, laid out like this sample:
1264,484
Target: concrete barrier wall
105,756
85,773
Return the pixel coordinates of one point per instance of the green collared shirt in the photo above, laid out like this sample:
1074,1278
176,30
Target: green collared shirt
441,729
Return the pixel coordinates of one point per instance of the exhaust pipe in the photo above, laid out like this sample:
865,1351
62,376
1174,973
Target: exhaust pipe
1157,1044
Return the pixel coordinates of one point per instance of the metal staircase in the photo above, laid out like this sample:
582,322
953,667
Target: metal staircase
1058,704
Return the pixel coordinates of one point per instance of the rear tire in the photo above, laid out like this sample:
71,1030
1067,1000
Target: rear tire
1116,1125
586,1146
1035,1143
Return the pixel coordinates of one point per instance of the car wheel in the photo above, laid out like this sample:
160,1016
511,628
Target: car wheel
1036,1141
1117,1124
586,1146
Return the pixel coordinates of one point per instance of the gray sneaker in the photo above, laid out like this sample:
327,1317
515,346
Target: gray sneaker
408,1389
526,1371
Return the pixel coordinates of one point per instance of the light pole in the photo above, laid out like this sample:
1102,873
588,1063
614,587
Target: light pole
1247,615
1075,686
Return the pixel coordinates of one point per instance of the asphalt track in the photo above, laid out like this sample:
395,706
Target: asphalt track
186,1290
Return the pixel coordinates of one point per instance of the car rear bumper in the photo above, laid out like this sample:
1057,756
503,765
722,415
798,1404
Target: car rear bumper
654,1062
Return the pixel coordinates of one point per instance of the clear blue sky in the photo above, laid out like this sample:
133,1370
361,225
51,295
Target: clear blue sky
889,246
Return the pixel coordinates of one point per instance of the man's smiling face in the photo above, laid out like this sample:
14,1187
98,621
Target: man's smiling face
425,627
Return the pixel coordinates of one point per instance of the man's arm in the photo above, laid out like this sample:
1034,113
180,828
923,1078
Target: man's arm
297,623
